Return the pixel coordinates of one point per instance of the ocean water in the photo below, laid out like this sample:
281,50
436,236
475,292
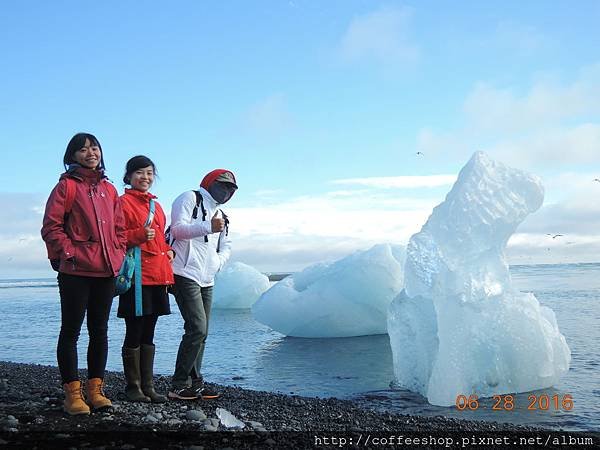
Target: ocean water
243,352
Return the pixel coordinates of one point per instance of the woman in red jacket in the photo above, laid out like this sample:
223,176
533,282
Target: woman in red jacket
157,274
84,230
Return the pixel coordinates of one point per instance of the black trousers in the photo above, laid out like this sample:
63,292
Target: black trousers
139,330
79,295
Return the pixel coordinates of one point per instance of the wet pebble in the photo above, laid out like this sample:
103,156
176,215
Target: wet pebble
195,415
174,422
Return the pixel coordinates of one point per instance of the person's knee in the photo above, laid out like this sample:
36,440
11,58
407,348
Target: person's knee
69,333
196,333
99,333
199,334
195,324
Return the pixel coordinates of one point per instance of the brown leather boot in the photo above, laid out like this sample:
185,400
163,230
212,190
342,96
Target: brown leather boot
147,368
95,394
74,403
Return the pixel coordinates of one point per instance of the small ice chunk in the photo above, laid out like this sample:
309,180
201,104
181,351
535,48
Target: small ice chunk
238,286
349,297
228,420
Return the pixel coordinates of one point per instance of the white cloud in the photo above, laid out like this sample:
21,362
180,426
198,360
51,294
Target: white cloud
490,108
549,125
571,216
403,182
304,230
525,248
22,251
552,147
380,36
522,38
269,117
364,215
268,193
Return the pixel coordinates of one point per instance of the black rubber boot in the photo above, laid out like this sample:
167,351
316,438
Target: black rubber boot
131,367
147,367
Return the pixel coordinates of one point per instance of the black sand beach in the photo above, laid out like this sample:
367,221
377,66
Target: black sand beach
31,416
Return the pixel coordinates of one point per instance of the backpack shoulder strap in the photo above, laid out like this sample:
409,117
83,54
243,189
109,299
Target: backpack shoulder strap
225,230
199,203
70,195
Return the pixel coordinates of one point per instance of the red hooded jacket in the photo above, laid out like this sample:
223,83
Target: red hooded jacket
156,267
90,240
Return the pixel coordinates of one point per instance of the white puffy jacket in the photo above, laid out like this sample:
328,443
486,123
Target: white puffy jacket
194,258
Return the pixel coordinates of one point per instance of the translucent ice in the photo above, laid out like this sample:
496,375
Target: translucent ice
228,420
349,297
459,327
238,286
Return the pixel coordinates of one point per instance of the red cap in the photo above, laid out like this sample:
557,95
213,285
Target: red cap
226,175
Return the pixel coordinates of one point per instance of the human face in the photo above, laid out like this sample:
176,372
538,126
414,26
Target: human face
142,179
221,192
88,156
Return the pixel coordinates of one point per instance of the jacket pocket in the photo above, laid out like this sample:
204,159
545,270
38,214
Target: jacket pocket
212,267
77,230
88,256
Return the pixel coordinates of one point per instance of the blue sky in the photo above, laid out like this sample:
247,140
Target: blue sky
319,107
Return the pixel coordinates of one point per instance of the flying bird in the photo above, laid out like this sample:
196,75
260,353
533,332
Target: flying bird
554,236
596,179
420,153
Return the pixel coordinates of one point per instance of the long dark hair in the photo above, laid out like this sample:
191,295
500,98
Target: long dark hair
136,163
76,143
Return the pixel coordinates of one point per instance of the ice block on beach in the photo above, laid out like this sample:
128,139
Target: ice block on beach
459,327
238,286
349,297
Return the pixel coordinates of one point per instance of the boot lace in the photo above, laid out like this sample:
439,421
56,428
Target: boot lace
98,389
76,392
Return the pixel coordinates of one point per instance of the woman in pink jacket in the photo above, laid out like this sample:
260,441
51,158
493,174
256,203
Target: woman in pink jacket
84,230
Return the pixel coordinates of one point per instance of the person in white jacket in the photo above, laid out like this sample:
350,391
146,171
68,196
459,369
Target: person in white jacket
200,239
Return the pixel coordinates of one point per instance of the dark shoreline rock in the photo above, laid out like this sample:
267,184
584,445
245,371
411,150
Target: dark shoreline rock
31,416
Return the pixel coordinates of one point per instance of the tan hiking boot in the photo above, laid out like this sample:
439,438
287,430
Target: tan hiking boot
74,403
95,394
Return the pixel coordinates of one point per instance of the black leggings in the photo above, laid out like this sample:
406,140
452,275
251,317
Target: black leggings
77,295
139,330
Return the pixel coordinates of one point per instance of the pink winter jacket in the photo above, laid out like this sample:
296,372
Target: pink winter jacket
90,240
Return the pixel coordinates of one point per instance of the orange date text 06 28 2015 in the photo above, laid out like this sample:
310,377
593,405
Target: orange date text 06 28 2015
536,402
